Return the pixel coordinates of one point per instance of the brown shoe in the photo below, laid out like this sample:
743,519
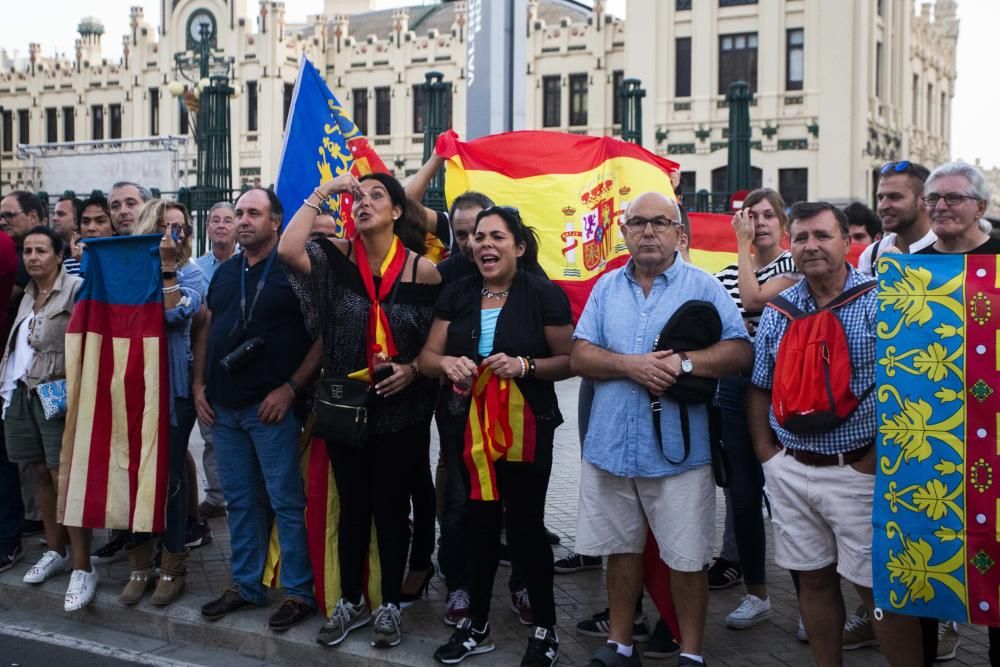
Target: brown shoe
140,560
291,611
172,576
231,600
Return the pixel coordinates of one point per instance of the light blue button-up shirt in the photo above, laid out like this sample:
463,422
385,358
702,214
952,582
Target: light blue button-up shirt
620,318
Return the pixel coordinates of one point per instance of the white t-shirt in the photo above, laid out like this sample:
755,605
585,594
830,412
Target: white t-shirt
889,241
18,362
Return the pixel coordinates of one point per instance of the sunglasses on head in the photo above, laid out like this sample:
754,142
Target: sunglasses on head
509,210
895,167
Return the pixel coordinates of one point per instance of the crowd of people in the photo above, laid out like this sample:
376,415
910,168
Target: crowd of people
276,327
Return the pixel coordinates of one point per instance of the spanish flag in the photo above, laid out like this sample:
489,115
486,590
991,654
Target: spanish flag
500,426
322,519
113,463
571,188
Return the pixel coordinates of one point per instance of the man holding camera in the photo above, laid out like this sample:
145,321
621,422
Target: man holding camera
251,359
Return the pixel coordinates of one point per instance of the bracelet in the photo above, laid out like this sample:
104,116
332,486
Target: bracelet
171,289
413,367
531,367
524,366
296,388
312,205
319,195
168,275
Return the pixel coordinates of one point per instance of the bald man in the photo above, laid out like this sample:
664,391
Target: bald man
629,479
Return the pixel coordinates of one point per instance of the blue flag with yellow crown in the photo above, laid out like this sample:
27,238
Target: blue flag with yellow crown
321,143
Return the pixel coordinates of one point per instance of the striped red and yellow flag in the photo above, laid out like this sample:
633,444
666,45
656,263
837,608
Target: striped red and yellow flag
322,517
501,425
113,464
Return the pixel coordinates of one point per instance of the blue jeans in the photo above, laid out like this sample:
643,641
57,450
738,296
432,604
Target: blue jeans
746,487
11,504
175,530
259,467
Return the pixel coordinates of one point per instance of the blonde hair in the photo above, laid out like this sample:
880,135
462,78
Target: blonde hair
152,215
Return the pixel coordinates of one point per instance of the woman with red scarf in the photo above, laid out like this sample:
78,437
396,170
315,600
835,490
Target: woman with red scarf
371,298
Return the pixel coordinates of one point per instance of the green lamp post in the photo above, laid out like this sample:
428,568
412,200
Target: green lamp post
436,92
739,96
631,94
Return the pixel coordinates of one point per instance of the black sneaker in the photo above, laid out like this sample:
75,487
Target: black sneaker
543,649
599,624
662,644
198,534
114,550
577,563
10,555
464,642
724,573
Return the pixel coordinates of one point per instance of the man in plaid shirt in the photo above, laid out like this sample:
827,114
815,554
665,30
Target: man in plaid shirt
821,485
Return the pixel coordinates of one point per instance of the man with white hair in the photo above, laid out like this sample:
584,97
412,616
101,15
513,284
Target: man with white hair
630,480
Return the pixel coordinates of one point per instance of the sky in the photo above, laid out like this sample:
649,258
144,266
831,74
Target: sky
974,108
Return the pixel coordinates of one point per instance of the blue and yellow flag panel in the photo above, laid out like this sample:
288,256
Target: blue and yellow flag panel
936,549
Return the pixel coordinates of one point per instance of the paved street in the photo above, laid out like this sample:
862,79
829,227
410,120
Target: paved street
578,596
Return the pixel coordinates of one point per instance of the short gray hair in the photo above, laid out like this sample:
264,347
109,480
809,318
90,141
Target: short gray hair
980,186
144,193
222,204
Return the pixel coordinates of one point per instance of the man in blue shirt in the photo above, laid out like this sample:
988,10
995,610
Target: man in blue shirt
628,482
221,238
821,485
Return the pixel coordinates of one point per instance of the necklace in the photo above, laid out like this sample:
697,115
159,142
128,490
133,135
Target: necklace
490,294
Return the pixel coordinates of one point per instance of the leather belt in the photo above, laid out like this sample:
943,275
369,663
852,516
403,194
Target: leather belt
822,460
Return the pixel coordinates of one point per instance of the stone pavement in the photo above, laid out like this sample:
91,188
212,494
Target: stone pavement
577,596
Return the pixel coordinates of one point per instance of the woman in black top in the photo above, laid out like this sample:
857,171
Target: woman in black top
501,339
373,294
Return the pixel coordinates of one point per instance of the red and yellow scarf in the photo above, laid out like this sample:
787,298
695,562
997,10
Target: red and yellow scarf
501,425
379,335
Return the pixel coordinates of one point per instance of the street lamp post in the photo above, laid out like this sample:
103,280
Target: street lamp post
738,172
435,91
631,94
208,100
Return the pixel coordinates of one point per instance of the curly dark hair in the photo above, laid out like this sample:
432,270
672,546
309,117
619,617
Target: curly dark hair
406,227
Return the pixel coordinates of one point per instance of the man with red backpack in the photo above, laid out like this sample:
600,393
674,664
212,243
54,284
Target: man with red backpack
811,411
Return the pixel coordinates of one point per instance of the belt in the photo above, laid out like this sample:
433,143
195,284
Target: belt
822,460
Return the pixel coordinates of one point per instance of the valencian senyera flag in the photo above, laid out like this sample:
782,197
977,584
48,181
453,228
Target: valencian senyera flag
113,465
322,515
936,550
322,142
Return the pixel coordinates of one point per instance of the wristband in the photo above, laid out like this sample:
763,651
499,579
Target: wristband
171,289
296,388
524,366
531,367
169,275
413,367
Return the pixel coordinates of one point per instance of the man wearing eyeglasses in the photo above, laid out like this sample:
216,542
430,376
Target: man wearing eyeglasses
904,218
956,196
629,482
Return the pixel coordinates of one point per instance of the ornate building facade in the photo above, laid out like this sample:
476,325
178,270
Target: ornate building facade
839,88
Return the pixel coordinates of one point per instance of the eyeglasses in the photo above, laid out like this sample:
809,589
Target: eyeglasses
10,215
950,199
660,223
509,210
897,167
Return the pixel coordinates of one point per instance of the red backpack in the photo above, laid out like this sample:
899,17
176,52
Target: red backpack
812,372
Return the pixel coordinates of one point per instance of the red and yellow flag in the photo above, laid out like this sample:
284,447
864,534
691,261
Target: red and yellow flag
501,425
571,188
322,518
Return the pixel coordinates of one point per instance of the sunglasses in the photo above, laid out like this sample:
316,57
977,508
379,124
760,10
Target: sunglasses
509,210
896,167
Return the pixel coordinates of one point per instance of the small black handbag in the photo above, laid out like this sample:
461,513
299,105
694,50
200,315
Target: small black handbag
341,410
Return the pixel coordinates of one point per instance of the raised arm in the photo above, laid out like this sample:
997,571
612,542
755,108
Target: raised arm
753,295
416,186
292,244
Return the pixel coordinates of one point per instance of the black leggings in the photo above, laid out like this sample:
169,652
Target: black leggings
424,512
375,481
522,488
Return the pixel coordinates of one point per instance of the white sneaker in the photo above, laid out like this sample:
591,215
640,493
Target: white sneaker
50,564
82,589
751,611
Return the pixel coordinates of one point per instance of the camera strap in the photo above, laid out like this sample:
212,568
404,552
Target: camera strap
246,317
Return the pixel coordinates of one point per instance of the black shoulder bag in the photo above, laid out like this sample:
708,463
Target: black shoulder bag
341,406
694,326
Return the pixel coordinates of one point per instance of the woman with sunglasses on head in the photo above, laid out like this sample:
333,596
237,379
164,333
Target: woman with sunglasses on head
182,284
763,270
371,298
501,339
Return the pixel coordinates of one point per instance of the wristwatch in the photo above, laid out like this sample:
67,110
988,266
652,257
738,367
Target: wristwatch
168,275
686,366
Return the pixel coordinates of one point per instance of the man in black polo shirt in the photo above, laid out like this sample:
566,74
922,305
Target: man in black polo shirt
251,359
